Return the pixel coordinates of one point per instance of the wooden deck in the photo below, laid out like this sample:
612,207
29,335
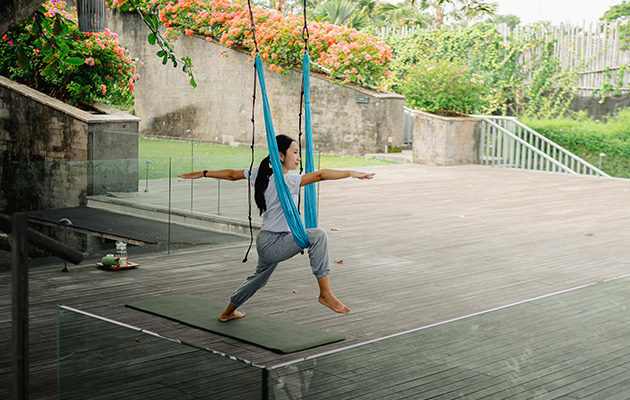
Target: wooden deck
420,245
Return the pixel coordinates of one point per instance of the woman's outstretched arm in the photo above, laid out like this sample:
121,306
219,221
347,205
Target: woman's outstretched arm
227,174
333,174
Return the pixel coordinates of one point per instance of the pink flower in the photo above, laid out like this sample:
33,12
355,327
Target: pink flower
89,61
368,57
104,88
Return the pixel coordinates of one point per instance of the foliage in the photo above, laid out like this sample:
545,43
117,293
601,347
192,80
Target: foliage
337,50
496,60
166,52
510,20
588,138
338,12
48,53
481,48
463,11
401,14
620,13
441,87
551,90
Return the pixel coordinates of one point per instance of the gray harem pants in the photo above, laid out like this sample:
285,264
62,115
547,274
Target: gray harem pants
274,247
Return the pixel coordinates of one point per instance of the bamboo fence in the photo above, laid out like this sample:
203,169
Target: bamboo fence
593,51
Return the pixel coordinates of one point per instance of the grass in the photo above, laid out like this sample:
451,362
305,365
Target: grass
185,156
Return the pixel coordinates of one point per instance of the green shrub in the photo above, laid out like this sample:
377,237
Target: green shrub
440,87
588,138
48,53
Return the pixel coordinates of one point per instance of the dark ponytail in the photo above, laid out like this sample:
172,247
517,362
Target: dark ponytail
264,172
262,181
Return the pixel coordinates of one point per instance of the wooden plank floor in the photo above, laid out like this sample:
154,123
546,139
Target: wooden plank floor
420,245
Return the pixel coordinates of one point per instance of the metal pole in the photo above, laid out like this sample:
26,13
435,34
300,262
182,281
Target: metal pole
65,222
146,189
169,205
265,384
319,164
19,300
192,168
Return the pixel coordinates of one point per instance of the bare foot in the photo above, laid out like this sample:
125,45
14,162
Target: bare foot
233,315
333,303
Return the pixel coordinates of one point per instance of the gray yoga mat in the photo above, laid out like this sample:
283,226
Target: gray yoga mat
261,330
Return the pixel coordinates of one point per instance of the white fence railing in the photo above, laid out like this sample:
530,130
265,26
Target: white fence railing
505,142
408,122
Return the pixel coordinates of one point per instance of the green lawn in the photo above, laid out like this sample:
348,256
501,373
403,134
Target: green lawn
185,156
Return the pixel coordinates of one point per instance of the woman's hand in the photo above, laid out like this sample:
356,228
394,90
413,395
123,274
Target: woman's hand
362,175
191,175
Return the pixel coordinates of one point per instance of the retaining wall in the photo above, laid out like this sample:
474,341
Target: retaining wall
51,154
347,120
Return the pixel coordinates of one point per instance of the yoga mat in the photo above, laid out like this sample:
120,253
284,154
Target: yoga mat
261,330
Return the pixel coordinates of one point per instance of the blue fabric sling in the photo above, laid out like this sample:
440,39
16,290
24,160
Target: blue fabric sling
288,205
310,191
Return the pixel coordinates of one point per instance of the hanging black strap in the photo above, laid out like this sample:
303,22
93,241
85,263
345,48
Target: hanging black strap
251,165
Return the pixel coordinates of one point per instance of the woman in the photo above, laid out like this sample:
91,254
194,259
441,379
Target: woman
274,242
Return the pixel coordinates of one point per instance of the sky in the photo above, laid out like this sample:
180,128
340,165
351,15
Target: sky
556,11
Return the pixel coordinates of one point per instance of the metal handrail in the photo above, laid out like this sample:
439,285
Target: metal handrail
572,163
531,147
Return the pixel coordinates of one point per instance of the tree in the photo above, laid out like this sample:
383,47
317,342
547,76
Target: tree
472,10
509,19
464,11
341,12
620,14
401,14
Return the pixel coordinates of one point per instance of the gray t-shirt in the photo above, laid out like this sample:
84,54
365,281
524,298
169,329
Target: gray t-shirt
274,219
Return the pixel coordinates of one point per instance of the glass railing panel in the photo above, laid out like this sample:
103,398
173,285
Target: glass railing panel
43,185
144,187
104,359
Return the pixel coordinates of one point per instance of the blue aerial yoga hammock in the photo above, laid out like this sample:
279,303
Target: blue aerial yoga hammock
288,205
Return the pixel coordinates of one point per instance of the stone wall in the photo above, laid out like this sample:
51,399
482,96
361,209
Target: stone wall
50,152
347,120
596,109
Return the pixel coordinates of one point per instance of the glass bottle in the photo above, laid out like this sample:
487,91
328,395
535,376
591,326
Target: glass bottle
121,252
